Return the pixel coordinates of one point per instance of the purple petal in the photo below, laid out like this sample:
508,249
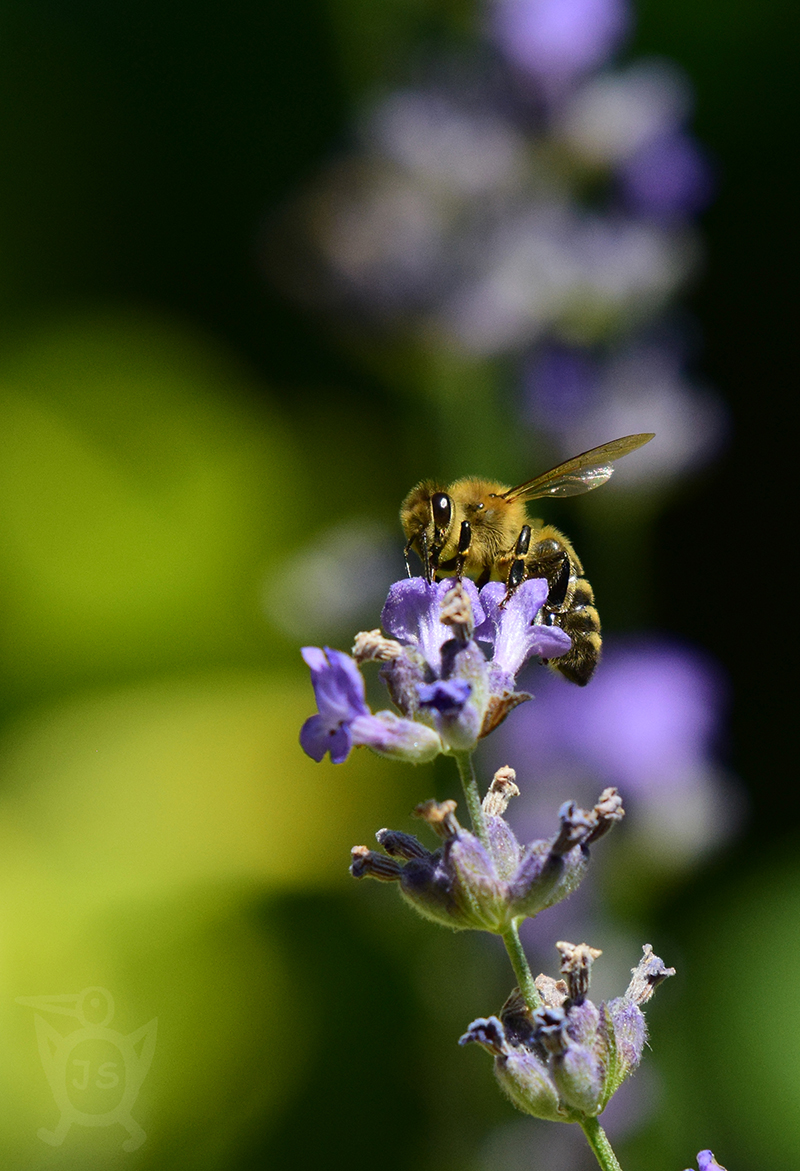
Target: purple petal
317,738
412,615
707,1162
445,696
666,178
338,684
560,383
549,642
513,631
556,40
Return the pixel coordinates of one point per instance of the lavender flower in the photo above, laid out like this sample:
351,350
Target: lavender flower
449,222
615,115
441,675
487,887
668,178
344,721
564,1061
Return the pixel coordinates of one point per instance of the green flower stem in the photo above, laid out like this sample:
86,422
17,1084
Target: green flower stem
519,963
601,1147
466,770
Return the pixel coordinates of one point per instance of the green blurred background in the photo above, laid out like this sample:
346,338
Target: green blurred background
173,432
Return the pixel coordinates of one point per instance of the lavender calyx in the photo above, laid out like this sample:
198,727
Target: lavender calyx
465,884
565,1061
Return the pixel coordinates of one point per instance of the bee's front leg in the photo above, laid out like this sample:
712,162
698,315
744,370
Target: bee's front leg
464,542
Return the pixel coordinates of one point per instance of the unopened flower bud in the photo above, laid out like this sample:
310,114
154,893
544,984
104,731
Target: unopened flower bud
503,844
365,861
578,1075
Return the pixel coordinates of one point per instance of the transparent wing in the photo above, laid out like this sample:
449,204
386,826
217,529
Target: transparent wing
580,474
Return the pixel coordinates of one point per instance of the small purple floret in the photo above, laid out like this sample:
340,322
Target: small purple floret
344,721
707,1162
412,615
339,692
445,696
512,631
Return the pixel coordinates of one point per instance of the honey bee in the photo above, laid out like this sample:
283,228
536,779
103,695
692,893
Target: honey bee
481,529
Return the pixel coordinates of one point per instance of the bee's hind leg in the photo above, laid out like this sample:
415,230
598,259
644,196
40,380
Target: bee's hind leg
557,593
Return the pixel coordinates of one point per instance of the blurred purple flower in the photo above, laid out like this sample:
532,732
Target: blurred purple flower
648,725
448,141
576,395
616,114
668,178
555,41
551,266
560,383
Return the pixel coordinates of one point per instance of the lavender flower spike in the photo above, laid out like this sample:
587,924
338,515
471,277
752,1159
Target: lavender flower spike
344,721
564,1061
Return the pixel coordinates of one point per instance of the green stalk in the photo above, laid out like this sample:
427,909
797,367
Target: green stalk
522,970
601,1147
466,770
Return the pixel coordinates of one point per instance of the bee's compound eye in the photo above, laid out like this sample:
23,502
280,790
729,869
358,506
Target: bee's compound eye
442,510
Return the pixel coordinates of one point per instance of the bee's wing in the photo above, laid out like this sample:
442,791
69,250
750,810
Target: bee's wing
580,474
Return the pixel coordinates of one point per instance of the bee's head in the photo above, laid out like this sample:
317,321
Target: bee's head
427,517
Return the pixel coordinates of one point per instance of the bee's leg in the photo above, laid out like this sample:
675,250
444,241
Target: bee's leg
518,571
557,593
464,542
